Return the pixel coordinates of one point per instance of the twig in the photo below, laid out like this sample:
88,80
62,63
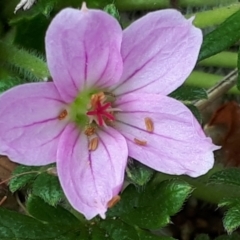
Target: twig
218,90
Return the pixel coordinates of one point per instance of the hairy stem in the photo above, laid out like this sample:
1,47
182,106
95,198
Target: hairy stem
215,16
222,60
23,61
207,80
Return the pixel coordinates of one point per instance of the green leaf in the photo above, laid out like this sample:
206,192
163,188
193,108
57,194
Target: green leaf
97,233
112,10
152,206
147,235
229,202
48,188
138,173
23,175
189,93
234,236
46,213
202,237
16,226
227,176
27,30
221,38
118,230
231,220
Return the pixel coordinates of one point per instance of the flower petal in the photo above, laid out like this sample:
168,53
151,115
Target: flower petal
176,144
29,124
159,51
83,50
90,179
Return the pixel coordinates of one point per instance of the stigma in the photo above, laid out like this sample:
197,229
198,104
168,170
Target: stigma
100,110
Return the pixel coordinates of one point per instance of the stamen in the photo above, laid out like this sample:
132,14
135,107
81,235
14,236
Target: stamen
149,124
93,144
63,114
97,98
113,201
140,142
90,131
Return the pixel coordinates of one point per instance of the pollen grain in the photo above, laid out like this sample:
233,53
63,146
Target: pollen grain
140,142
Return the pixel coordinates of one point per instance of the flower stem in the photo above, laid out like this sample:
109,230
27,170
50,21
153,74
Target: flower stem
214,17
129,5
23,61
222,60
206,80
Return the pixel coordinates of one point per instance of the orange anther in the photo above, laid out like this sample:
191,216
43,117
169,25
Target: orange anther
113,201
95,98
93,144
149,124
63,114
140,142
90,131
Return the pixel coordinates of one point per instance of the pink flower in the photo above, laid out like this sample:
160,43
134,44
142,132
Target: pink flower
108,100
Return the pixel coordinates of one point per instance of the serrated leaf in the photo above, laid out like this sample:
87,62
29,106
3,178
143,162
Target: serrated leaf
16,226
46,213
229,202
116,229
189,93
234,236
231,220
112,10
152,206
221,38
227,176
97,233
23,175
147,235
28,29
48,188
138,173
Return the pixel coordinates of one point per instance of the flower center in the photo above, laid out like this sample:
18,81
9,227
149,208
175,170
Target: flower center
100,111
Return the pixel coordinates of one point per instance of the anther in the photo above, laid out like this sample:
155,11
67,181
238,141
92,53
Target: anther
90,131
140,142
113,201
63,114
98,97
93,144
149,124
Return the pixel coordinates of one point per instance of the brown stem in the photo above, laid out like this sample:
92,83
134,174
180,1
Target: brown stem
218,90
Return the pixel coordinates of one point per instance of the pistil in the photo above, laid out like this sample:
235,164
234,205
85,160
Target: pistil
100,110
